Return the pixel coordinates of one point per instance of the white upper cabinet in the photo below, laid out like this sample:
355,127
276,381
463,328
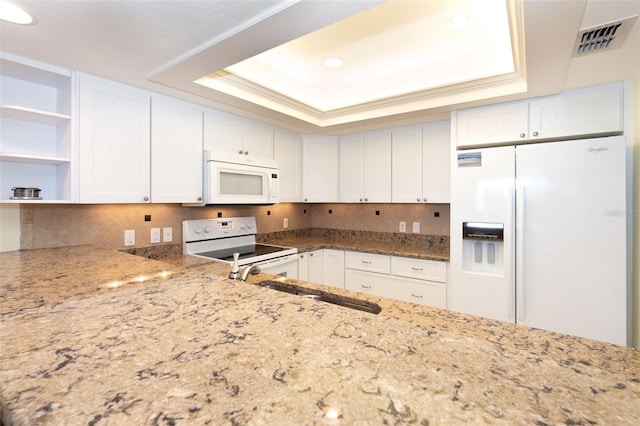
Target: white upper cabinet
436,163
288,153
113,142
176,151
232,137
36,129
365,169
492,124
420,164
319,168
593,111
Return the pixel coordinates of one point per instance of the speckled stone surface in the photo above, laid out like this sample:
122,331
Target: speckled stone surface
397,244
185,345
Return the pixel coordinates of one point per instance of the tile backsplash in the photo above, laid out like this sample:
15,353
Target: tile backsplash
49,225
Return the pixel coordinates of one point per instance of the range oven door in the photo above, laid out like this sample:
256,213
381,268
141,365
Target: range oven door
286,266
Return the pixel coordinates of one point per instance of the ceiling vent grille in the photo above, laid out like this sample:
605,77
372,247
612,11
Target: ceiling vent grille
603,37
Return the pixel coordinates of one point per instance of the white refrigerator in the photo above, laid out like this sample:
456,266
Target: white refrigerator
538,236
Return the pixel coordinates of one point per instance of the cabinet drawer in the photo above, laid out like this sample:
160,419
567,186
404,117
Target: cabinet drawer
379,263
426,293
368,283
421,269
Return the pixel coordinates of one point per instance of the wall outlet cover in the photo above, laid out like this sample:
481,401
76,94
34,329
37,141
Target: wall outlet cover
416,227
167,234
155,235
403,227
130,237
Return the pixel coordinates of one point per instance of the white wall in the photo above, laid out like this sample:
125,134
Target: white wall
9,227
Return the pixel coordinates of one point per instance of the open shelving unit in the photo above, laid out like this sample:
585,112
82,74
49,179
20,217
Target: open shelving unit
36,130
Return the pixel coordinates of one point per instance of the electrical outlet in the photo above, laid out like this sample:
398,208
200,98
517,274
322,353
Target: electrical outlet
403,226
167,234
285,222
416,227
155,235
130,237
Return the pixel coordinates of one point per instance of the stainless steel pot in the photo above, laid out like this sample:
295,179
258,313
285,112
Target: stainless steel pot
20,193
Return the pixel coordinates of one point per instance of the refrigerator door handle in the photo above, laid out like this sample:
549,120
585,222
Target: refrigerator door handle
520,284
510,294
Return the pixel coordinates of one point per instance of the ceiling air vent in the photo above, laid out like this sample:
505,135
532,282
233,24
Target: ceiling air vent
603,37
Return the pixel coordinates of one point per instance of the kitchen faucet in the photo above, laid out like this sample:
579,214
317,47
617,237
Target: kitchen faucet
250,269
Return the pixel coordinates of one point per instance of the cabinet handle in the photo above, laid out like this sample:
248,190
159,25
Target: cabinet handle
535,133
522,135
310,254
365,286
146,198
366,199
417,296
366,262
302,256
418,199
246,153
305,199
240,152
360,199
424,199
199,198
416,269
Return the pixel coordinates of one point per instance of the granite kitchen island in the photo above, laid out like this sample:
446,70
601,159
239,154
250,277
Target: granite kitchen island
95,336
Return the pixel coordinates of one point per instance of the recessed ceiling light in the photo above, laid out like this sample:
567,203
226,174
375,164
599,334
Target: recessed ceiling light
458,23
11,12
333,62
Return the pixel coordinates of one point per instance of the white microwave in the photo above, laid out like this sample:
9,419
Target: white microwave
240,180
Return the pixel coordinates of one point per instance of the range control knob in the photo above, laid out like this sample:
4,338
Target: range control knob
198,229
207,229
250,226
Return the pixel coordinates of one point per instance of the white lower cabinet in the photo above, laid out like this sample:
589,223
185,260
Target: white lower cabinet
411,280
333,266
323,266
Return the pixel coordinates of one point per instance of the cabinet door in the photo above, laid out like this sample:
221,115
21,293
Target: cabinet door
320,169
406,165
333,261
257,141
492,124
351,171
436,161
316,266
288,154
229,136
377,167
222,135
595,110
113,142
176,151
303,267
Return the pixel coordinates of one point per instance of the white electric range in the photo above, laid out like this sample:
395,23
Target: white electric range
219,239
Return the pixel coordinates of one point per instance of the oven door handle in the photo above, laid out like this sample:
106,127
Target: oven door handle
277,262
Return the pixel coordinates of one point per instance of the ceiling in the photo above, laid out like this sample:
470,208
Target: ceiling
164,46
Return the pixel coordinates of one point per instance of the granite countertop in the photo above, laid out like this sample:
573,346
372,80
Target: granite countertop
186,345
405,245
